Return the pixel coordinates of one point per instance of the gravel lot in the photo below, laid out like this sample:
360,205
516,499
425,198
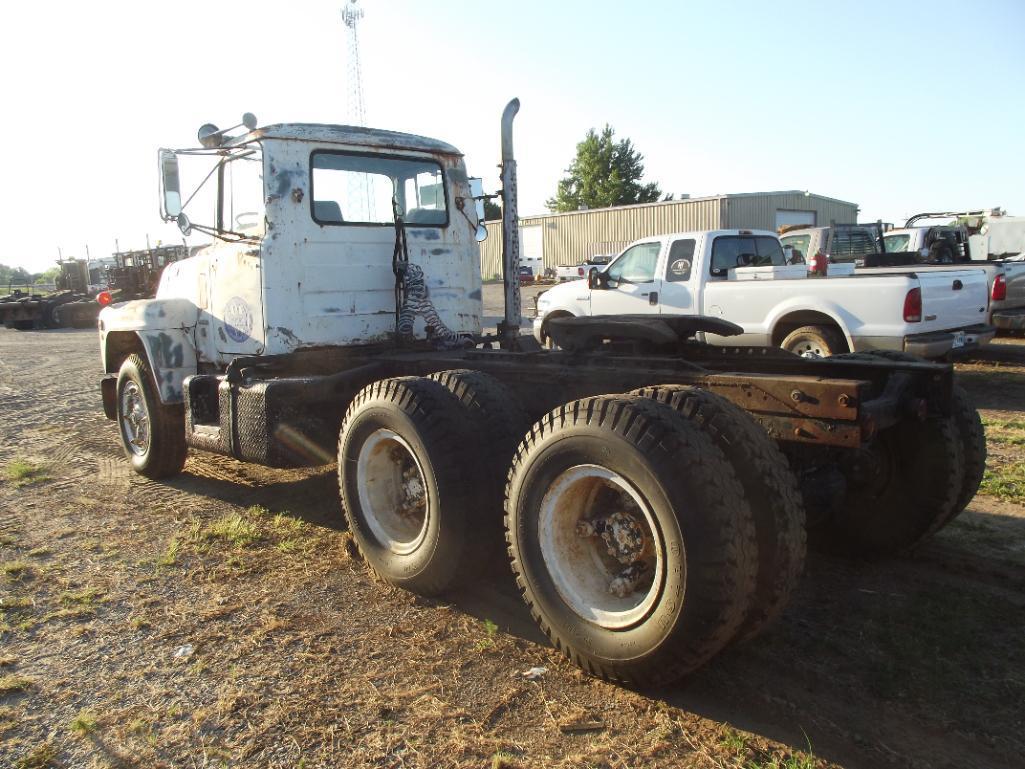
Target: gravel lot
222,619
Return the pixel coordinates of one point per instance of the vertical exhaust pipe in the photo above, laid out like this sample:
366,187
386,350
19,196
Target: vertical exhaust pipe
509,328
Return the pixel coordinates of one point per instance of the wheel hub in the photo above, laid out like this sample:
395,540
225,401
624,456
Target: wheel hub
135,419
602,547
392,491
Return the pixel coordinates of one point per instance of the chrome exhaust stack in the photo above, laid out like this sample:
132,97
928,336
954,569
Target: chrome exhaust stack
509,328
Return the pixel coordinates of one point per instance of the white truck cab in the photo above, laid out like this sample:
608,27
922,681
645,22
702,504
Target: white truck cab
303,251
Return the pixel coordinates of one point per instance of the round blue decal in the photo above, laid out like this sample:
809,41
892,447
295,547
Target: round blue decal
238,320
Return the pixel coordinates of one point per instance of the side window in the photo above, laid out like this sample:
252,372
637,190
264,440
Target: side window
731,251
800,245
636,265
681,258
361,189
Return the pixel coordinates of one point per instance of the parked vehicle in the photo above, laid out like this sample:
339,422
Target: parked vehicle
969,244
582,270
526,274
859,244
71,304
742,276
648,529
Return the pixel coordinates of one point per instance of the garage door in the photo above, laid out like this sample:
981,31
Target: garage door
532,247
785,218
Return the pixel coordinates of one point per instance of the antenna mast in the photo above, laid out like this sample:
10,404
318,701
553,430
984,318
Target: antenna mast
355,108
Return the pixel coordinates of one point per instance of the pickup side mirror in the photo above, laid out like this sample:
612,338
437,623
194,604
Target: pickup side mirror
597,280
170,186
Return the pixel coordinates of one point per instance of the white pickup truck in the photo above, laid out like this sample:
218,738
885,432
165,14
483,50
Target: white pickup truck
742,276
566,272
1006,277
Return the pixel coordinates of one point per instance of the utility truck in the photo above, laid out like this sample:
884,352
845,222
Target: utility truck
744,276
980,239
652,492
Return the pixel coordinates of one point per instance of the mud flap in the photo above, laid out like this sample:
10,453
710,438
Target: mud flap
108,390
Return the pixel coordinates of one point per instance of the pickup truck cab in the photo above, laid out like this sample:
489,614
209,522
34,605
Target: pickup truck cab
742,276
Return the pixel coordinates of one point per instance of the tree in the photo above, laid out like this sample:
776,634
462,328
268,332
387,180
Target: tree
492,211
604,173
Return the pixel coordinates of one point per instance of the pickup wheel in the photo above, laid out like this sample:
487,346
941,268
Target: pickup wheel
769,485
814,342
901,488
152,433
407,471
636,571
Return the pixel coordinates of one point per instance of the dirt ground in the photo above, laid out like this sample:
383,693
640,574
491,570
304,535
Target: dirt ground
221,619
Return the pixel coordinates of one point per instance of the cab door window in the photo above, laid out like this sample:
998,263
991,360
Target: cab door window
636,264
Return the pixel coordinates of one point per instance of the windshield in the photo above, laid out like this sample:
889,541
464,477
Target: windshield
731,251
238,211
896,244
358,189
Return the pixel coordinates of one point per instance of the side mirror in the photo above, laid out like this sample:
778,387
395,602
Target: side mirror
170,185
477,193
596,280
482,233
184,224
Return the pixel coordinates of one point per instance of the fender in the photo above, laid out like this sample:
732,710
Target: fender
811,304
573,297
164,328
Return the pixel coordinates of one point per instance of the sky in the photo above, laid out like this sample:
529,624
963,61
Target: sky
897,106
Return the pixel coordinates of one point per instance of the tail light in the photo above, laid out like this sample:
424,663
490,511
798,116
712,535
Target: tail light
999,292
913,306
819,264
104,298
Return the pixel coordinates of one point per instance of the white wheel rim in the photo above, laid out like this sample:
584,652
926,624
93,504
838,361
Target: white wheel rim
582,567
809,350
392,492
135,419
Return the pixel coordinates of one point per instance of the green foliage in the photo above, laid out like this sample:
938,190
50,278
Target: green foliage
492,211
604,173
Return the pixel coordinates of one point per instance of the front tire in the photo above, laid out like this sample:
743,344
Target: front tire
152,433
630,538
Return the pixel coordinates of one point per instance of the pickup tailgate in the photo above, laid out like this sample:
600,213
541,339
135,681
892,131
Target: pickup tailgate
952,299
1014,279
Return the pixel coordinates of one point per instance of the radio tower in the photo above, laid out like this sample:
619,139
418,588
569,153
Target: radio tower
355,109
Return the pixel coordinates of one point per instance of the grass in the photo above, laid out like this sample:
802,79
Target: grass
83,724
10,683
87,597
234,528
733,741
40,757
15,569
1005,482
1008,432
22,473
490,630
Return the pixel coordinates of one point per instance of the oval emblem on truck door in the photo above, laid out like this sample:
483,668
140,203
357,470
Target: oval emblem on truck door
238,320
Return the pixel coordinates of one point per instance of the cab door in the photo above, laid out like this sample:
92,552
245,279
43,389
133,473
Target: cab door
631,284
679,285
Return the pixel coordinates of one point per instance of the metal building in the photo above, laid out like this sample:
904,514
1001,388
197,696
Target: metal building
549,240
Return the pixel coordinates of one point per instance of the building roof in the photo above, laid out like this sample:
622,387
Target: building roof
683,201
347,134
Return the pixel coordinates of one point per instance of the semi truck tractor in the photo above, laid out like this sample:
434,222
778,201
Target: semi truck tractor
653,494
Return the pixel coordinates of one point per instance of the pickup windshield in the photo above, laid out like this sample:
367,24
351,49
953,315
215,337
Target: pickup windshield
732,251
